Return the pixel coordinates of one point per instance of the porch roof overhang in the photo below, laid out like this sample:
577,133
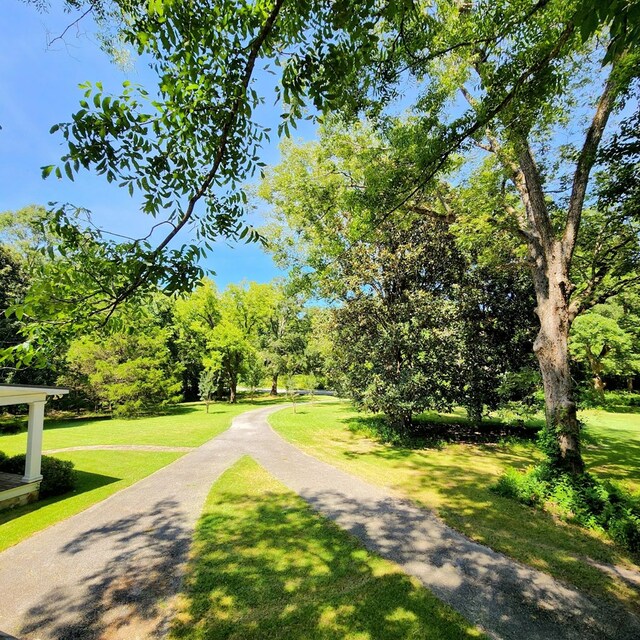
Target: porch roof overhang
28,393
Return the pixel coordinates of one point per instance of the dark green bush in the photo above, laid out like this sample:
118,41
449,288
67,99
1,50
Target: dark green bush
58,476
582,499
3,457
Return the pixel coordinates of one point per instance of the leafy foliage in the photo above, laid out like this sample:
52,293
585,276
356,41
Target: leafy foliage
582,499
604,341
58,476
130,373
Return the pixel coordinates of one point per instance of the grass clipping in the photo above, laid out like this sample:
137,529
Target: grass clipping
264,565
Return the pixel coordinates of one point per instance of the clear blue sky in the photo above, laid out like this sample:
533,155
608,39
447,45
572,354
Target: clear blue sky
38,88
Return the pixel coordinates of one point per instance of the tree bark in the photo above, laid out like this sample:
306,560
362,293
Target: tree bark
552,351
274,385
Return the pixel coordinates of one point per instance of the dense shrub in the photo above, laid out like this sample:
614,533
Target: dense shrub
583,499
3,457
58,476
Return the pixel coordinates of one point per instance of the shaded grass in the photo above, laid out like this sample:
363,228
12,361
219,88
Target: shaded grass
455,479
100,474
186,425
264,565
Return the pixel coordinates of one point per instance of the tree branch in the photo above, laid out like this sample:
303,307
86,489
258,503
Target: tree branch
585,162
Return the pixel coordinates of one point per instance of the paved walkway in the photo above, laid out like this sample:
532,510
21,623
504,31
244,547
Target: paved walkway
108,572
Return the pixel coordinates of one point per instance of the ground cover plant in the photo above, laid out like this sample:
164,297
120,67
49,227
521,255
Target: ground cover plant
264,565
100,473
455,479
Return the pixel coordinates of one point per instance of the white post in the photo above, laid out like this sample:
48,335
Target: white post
34,442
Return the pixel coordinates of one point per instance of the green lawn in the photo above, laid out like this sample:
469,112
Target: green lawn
454,481
102,473
186,425
264,565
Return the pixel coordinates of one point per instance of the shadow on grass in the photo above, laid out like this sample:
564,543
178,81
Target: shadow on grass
459,481
613,456
434,431
619,408
85,482
268,567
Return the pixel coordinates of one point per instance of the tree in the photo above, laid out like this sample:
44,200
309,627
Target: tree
600,342
207,386
254,371
195,317
396,340
407,291
13,282
284,336
520,66
194,139
244,311
131,373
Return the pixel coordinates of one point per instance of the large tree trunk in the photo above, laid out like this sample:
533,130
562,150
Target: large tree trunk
552,350
274,385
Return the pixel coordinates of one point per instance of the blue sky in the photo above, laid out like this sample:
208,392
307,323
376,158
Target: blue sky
39,87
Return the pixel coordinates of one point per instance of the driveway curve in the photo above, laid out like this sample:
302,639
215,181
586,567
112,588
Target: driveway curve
111,571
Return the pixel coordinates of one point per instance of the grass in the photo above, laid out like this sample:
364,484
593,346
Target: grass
186,425
264,565
454,480
102,473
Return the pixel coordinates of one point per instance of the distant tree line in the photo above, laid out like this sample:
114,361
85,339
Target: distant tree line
158,349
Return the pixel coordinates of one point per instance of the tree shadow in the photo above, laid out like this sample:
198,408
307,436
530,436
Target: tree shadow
271,568
619,408
486,587
433,432
85,481
126,596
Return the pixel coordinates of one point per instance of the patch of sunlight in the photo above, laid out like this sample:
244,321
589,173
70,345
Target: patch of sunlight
292,584
330,616
401,614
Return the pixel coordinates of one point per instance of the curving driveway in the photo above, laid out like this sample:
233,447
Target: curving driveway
110,572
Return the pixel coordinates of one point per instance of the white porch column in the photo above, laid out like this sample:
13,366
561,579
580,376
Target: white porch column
34,442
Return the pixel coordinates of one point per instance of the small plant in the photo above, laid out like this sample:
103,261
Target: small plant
58,476
207,386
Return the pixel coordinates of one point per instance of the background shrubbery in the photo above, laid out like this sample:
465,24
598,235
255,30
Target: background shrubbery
58,476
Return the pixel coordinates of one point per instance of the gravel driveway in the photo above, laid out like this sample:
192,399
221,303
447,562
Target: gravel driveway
111,572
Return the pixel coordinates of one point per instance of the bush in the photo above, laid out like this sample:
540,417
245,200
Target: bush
58,476
582,499
3,457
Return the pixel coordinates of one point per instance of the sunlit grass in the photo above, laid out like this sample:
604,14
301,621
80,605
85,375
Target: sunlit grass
455,479
264,565
100,474
186,425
